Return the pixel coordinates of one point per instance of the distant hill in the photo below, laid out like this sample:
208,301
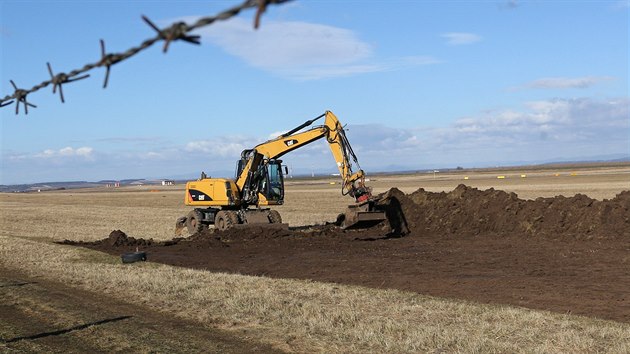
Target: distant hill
51,186
181,179
47,186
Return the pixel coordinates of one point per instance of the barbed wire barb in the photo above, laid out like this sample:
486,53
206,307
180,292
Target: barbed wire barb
62,78
262,6
176,31
107,60
20,96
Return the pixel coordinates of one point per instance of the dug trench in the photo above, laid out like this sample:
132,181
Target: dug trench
562,254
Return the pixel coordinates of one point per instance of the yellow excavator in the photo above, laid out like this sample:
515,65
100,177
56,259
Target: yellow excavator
259,183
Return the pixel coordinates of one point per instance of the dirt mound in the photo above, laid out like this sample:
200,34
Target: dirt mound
469,211
119,238
116,238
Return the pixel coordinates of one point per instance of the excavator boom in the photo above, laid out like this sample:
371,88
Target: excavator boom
332,130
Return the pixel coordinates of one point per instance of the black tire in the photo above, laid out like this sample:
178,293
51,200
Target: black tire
223,220
233,216
193,222
134,257
274,217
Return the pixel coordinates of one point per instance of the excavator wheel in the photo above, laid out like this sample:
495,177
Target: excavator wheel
193,222
224,220
274,217
233,216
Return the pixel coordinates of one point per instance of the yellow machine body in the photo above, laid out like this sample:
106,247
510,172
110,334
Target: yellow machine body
218,192
212,192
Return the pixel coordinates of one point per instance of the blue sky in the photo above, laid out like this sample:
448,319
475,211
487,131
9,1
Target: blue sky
420,84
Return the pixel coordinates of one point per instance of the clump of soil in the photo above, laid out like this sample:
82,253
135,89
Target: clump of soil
116,238
469,211
119,238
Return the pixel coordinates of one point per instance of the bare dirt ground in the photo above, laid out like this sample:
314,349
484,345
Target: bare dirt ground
568,255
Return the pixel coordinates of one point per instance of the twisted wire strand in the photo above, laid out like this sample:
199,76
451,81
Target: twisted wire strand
176,31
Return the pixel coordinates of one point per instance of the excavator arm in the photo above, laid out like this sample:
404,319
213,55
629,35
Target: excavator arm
353,182
332,130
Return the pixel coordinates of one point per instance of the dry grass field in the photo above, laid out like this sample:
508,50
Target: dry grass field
178,309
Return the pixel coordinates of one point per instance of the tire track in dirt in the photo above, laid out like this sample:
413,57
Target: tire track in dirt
39,315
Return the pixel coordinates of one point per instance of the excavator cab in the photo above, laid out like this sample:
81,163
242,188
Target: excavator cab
267,181
271,185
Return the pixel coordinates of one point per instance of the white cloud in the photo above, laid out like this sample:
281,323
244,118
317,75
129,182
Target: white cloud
301,50
276,134
226,146
321,72
52,154
280,44
560,126
566,82
154,155
539,131
460,38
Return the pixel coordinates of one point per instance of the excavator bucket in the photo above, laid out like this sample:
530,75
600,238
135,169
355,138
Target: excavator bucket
385,209
361,216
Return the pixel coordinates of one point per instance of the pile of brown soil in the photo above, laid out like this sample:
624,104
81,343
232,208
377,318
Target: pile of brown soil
469,211
116,238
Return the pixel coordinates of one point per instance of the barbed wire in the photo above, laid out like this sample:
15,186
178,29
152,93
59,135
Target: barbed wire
174,32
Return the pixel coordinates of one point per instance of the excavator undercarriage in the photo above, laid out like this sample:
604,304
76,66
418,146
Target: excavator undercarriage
199,219
359,216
